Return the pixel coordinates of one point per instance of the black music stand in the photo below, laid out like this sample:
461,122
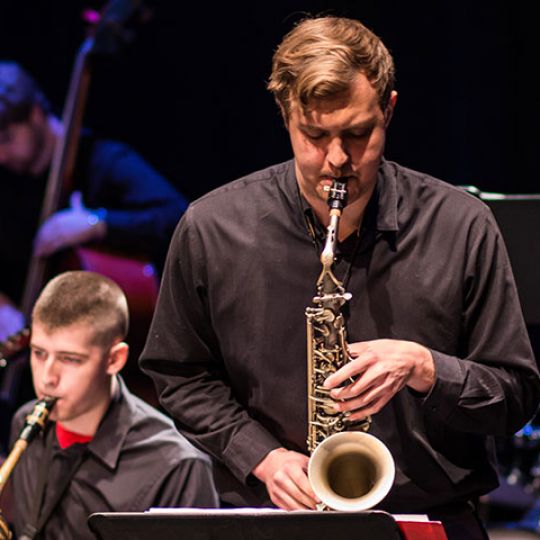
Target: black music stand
518,217
236,525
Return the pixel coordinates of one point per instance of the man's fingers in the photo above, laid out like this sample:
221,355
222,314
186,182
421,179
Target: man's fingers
360,412
305,492
349,371
294,498
284,500
294,481
75,201
290,487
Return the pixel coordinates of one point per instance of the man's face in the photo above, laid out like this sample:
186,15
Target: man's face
21,144
343,136
67,365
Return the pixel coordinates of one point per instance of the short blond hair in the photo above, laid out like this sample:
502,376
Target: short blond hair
84,297
321,57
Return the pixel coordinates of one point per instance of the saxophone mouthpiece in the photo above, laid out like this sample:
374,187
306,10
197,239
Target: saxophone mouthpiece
337,193
49,402
37,418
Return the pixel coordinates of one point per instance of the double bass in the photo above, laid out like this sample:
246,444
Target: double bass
134,273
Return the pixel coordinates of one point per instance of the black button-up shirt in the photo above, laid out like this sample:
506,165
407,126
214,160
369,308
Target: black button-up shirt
227,347
135,461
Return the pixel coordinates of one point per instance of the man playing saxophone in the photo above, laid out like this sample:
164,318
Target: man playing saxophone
104,449
440,357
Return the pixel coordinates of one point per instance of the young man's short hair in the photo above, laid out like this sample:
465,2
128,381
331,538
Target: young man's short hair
87,298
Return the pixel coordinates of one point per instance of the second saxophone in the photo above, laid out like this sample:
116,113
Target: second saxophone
33,424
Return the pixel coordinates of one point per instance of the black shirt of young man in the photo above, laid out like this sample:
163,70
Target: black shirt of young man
142,207
227,346
135,461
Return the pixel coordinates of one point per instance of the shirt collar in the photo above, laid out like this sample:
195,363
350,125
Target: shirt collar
386,199
381,212
109,438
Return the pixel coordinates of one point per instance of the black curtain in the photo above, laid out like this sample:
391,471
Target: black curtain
189,91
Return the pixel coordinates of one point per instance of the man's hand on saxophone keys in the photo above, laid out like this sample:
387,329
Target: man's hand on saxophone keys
379,369
284,472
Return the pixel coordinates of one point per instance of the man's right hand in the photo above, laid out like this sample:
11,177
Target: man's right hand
11,319
284,473
72,226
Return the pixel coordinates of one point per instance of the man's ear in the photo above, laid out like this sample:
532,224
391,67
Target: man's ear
118,356
37,115
389,112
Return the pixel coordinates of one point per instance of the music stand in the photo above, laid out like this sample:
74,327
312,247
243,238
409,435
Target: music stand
235,525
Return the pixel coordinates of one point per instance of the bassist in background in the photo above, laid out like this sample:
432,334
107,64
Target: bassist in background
117,197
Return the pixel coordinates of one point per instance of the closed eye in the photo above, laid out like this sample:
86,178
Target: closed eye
314,135
38,354
359,134
71,359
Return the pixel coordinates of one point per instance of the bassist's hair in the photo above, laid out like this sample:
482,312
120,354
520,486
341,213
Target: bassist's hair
18,94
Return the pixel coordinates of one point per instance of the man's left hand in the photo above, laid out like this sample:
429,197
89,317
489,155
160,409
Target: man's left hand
70,227
378,370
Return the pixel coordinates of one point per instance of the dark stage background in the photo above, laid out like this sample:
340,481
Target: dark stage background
189,92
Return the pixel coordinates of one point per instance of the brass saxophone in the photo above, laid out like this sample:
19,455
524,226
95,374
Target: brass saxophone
33,424
349,469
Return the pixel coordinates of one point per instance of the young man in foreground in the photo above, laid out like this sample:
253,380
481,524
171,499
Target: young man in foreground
105,449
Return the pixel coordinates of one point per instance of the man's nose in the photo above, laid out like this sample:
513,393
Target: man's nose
50,374
337,154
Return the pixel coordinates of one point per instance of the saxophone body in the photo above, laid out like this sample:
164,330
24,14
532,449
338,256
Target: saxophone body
348,468
33,424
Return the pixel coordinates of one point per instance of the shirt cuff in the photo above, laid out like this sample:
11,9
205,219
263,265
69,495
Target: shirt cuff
443,398
247,448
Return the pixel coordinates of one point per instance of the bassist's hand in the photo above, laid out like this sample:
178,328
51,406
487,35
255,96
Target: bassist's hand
70,227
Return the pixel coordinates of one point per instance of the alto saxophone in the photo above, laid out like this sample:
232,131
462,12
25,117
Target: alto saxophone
33,424
348,468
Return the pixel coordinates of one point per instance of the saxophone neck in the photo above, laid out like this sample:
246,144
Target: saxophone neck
328,252
337,199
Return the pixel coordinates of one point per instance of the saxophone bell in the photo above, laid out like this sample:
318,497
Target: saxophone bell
351,471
